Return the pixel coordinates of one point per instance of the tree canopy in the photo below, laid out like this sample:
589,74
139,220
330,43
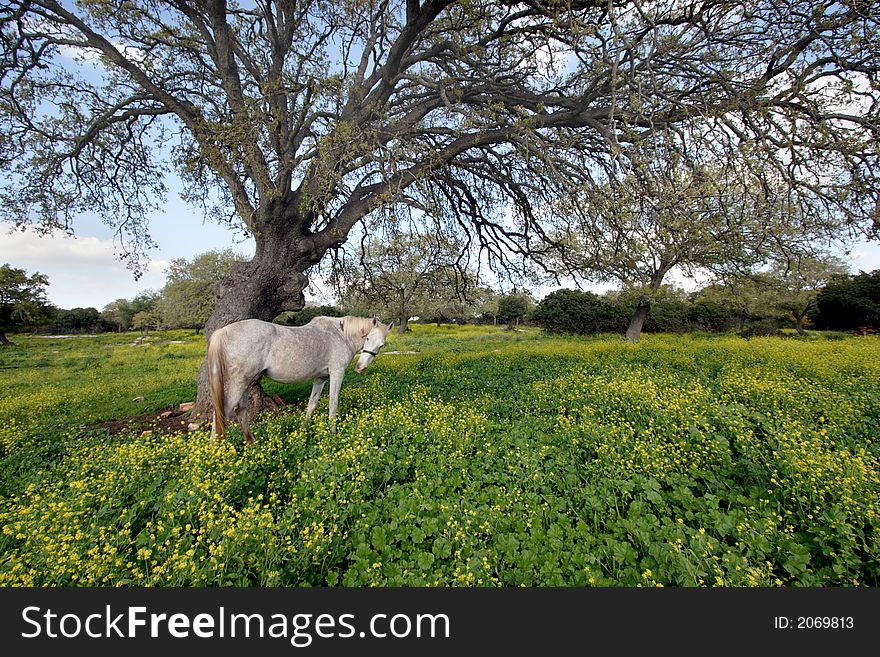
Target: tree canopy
849,302
316,113
22,300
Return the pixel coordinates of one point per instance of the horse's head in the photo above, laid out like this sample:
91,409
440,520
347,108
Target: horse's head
374,341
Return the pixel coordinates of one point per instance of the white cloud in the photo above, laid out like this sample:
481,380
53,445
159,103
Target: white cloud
82,271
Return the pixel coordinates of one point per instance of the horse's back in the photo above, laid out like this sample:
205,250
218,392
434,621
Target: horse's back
248,331
285,353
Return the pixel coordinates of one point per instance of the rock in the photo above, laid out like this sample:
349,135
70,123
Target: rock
187,406
138,399
165,414
193,426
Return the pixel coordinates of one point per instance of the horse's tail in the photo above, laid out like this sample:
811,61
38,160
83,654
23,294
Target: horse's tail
216,374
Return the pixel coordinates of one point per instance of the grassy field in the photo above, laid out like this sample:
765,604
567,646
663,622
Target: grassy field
489,458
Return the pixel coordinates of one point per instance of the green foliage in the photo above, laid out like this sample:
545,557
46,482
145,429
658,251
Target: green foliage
118,314
708,315
849,302
307,314
760,327
79,320
513,307
405,274
22,300
573,311
187,300
491,458
145,320
669,316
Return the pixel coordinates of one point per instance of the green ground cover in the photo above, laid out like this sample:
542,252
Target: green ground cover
488,458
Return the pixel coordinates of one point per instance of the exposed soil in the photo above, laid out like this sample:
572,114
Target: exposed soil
166,421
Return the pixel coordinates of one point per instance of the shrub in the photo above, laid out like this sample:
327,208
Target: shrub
710,316
849,302
668,316
572,311
760,327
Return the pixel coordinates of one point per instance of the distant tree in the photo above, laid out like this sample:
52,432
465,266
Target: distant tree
188,299
118,314
796,282
22,300
513,307
849,302
749,298
675,212
488,308
145,301
406,274
79,320
145,320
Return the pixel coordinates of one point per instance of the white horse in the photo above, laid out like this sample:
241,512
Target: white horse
241,352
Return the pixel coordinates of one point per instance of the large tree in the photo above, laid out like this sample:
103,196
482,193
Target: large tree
675,213
22,300
310,115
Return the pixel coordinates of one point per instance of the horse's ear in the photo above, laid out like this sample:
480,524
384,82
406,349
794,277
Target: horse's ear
375,321
389,329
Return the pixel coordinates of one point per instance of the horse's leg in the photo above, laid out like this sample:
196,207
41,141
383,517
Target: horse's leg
317,389
245,424
243,418
335,384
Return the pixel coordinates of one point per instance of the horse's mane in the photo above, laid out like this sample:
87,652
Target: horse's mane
357,327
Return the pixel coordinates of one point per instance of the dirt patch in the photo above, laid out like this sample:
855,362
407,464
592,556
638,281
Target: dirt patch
171,420
167,421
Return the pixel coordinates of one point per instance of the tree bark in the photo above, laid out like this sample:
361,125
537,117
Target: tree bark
403,314
4,341
634,330
271,283
799,324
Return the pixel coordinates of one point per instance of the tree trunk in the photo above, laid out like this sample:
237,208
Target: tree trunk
634,330
403,315
4,341
799,324
271,283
